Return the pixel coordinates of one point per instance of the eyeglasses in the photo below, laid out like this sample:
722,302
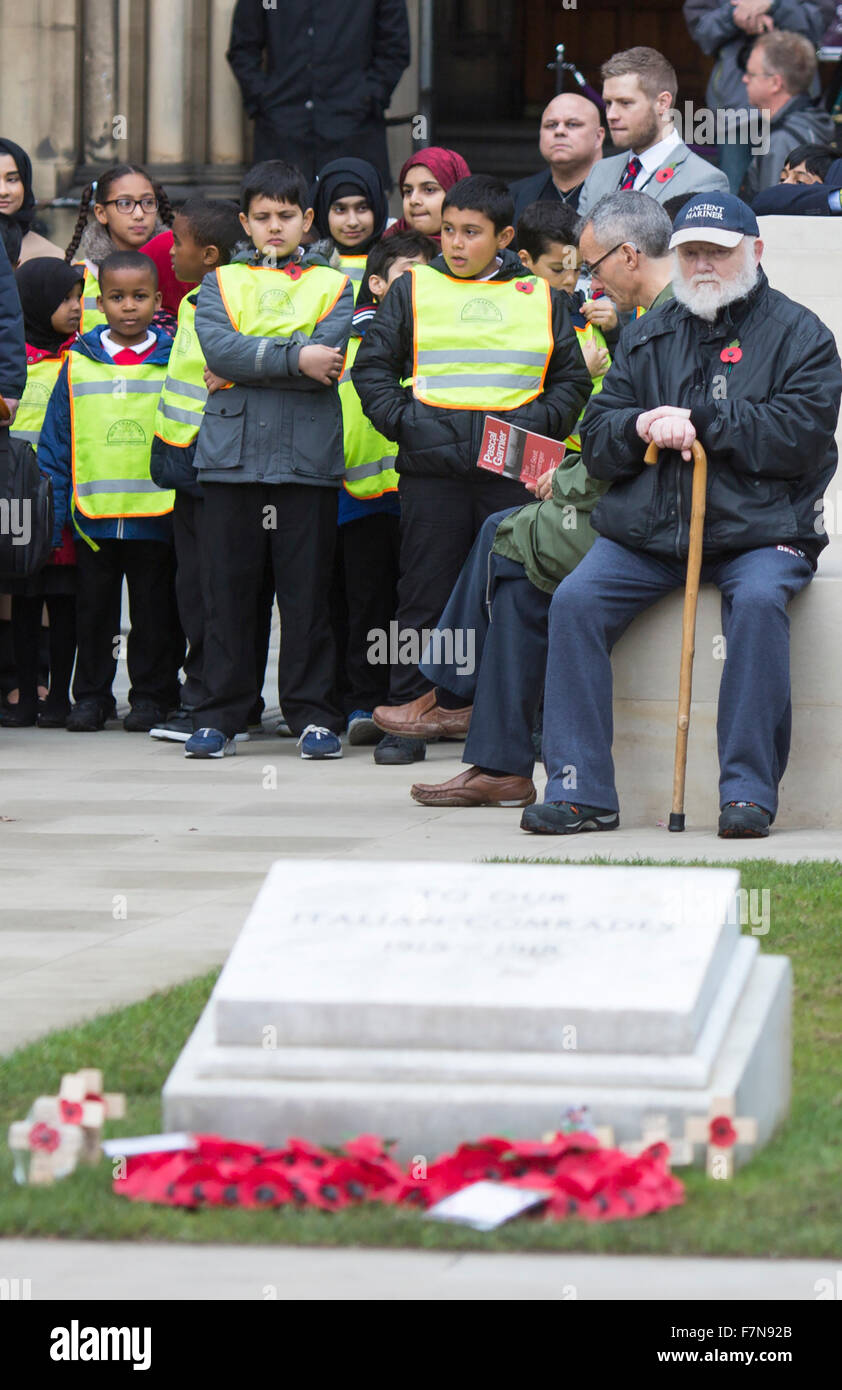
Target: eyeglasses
587,269
148,202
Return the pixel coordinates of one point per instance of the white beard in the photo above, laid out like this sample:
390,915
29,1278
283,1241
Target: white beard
705,299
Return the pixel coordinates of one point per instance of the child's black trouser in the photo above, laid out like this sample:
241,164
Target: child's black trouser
155,640
294,525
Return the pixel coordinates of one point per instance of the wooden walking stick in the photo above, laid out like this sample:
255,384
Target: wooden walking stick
688,628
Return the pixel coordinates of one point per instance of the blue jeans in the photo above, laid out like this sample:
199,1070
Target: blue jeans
593,607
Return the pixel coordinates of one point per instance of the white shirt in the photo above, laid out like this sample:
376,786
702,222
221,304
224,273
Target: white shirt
655,156
113,348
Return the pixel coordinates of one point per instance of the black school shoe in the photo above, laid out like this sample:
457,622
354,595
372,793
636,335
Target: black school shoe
23,715
144,716
565,818
90,715
394,751
743,820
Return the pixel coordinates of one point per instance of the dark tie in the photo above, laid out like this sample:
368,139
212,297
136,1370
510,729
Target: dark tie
633,168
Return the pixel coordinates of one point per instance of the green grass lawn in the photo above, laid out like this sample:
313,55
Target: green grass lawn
786,1202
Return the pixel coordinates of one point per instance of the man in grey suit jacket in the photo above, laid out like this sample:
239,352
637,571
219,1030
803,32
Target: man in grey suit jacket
639,90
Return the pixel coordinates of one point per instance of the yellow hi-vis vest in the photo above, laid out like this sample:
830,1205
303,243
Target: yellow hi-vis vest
270,302
182,402
41,377
588,334
479,344
92,317
112,420
354,268
369,456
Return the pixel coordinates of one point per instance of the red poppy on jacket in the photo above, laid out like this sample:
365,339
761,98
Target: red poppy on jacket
664,175
722,1132
293,271
731,354
524,286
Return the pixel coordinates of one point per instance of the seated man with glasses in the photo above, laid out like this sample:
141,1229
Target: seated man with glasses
756,379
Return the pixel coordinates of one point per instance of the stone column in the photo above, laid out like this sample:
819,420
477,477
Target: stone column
225,107
168,95
103,136
38,94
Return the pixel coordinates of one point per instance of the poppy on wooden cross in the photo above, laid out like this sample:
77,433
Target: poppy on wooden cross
720,1131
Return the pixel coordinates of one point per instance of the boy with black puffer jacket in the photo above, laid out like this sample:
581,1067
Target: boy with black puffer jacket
475,333
273,327
95,445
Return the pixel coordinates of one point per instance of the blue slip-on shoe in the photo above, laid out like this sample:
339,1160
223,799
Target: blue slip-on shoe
362,729
316,742
209,743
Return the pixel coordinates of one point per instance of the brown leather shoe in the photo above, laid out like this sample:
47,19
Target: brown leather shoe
475,788
423,718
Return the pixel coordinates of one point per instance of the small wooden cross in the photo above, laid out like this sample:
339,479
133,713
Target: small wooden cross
720,1131
83,1102
53,1148
656,1130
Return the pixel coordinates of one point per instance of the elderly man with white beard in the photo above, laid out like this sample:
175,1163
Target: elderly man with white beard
756,378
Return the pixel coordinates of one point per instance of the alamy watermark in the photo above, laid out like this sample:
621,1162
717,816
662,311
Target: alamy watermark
407,646
16,519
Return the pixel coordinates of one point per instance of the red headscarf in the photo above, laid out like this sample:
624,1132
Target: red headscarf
446,166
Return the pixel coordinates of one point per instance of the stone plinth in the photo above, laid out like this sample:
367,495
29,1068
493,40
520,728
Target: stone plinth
435,1003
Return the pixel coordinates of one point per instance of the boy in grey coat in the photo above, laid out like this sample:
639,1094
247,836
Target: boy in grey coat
273,327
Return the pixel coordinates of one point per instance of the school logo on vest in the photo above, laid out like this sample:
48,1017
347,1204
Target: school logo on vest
36,394
126,432
275,301
481,311
184,341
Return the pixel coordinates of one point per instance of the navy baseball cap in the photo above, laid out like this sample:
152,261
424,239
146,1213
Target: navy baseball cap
717,217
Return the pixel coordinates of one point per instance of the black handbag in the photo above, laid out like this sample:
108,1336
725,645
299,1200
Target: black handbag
26,510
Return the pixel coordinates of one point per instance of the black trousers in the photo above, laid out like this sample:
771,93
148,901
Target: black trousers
440,519
368,562
189,592
155,635
236,537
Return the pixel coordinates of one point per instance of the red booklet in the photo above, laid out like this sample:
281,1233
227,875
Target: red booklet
516,453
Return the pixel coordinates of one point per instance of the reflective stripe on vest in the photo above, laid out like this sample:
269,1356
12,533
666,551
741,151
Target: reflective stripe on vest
369,456
589,334
264,301
41,377
112,420
354,268
181,407
92,317
451,317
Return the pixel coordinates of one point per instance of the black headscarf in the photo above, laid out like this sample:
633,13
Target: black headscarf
43,283
348,178
26,212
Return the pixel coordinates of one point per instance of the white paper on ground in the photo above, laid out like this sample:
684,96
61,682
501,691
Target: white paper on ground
485,1205
148,1144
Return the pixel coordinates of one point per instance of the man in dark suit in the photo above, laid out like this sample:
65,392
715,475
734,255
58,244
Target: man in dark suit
570,141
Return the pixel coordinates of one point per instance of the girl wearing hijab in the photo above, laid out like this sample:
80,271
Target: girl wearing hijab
349,206
17,203
51,298
423,182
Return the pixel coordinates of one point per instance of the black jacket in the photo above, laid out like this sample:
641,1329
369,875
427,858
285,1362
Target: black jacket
12,344
801,199
767,427
433,440
330,67
539,188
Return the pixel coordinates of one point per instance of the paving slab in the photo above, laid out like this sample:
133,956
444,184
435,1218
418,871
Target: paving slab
80,1270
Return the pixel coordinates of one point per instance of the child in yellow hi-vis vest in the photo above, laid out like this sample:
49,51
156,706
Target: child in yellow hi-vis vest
95,445
474,334
273,326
